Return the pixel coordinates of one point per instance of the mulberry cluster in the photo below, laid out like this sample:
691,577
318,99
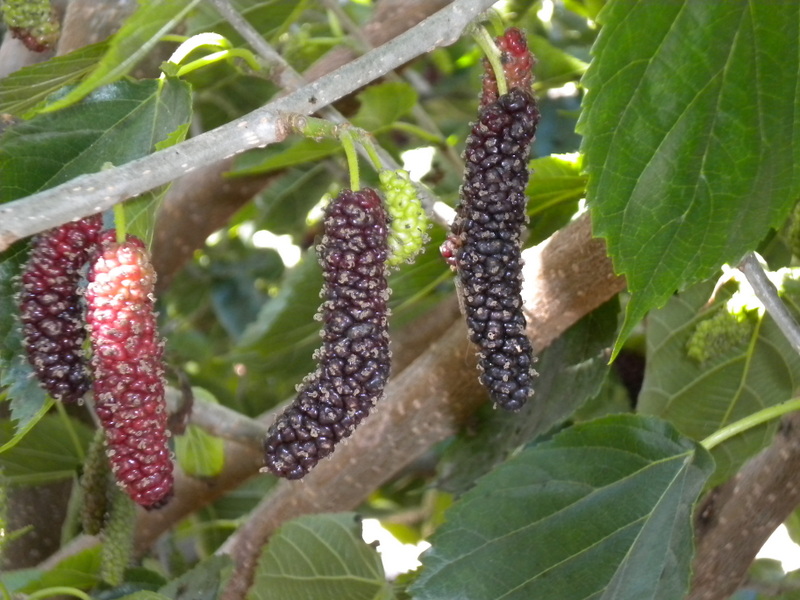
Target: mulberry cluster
33,22
354,360
128,373
408,222
50,307
485,244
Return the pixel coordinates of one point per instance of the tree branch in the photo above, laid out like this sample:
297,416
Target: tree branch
89,194
737,518
429,400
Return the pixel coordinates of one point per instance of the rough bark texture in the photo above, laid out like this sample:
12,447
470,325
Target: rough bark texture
737,518
425,403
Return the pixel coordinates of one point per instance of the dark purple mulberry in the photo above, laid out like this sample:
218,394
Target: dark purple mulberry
51,310
354,360
486,243
128,370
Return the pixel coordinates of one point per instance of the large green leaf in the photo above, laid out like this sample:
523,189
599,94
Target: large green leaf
202,582
52,450
81,570
690,133
571,370
320,556
24,89
701,397
603,510
116,124
135,39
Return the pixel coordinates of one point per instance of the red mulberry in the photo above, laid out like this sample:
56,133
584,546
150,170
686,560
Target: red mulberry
51,310
354,360
128,371
517,64
485,241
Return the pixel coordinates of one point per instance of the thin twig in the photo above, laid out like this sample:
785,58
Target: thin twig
90,194
768,295
287,77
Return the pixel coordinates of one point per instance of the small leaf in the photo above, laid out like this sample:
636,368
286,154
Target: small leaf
384,104
700,398
555,179
690,131
603,510
285,154
202,582
29,86
200,454
80,570
47,453
320,556
554,67
140,32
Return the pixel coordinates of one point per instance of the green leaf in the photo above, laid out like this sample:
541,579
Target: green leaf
700,398
554,67
143,30
24,89
201,582
200,454
384,104
80,570
144,595
264,15
285,154
571,370
116,124
47,453
285,334
555,179
690,131
603,510
320,556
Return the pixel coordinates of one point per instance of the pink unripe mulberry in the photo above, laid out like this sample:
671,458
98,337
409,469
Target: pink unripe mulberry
128,370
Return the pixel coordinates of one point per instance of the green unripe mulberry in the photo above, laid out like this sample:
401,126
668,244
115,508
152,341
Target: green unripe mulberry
718,334
408,220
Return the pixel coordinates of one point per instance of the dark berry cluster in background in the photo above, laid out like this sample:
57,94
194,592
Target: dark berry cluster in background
354,360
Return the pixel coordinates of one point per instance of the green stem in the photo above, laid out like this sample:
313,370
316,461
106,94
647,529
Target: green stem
352,160
369,145
750,421
55,591
492,53
73,436
419,132
120,223
248,56
315,128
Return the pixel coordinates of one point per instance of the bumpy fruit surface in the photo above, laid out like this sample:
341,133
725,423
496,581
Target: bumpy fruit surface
128,371
51,309
33,22
517,64
486,244
408,221
354,360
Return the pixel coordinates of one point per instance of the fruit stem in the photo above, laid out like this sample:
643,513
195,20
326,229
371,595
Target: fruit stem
352,159
758,418
492,53
120,223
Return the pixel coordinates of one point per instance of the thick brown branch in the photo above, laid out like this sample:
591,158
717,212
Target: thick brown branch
429,400
738,517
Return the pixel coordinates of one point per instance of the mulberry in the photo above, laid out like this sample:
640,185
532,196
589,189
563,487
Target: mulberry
50,307
408,221
354,360
517,65
128,372
33,22
485,244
